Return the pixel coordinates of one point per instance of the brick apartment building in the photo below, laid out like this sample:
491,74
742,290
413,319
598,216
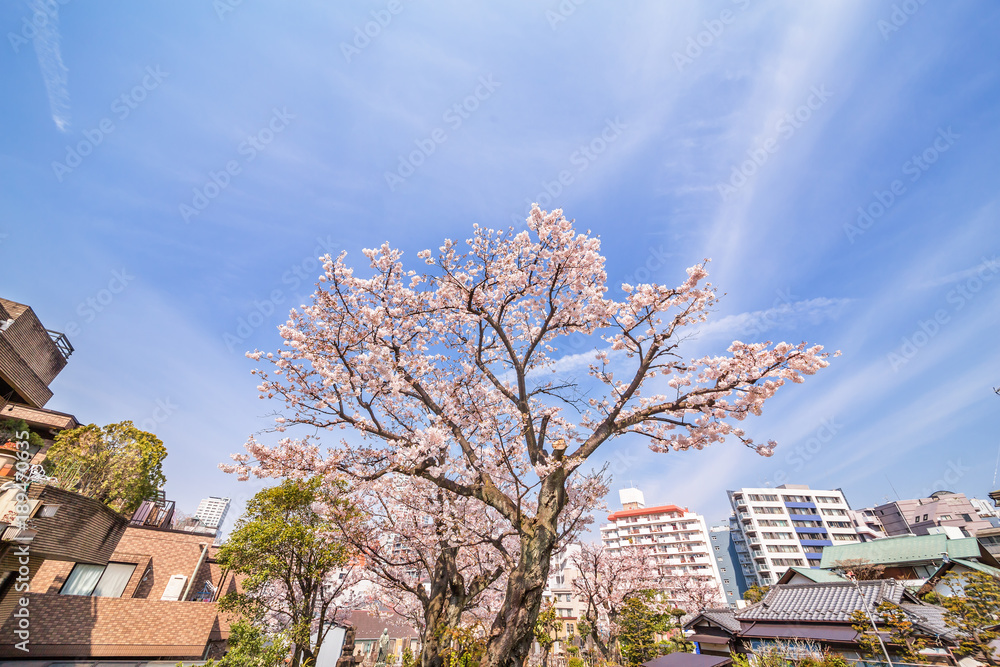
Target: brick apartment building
153,598
31,357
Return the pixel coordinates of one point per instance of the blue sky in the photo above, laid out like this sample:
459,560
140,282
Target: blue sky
172,170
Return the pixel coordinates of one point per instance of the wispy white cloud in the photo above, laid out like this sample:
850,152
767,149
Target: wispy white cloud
987,265
54,72
784,315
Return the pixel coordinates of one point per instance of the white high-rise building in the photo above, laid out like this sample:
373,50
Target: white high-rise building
212,512
677,538
787,526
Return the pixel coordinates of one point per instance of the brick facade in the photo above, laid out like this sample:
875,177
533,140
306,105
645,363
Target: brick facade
138,624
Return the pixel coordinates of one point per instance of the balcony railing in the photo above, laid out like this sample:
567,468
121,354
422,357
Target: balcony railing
62,343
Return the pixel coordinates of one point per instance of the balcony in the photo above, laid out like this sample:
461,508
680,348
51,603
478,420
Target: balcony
800,505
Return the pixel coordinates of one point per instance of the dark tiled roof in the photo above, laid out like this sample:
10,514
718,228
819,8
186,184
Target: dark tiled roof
723,617
928,618
821,602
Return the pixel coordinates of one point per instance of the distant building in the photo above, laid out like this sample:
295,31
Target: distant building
921,516
212,512
787,526
570,608
987,511
867,524
677,537
724,550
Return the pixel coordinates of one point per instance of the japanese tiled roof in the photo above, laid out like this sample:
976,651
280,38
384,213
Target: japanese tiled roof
824,602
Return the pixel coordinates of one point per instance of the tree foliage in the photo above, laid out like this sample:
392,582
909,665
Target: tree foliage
116,464
547,628
755,593
890,619
973,613
860,569
452,376
10,428
250,646
641,626
288,556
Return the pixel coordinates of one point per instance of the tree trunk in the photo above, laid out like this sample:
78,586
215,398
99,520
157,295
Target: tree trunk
443,611
512,634
591,617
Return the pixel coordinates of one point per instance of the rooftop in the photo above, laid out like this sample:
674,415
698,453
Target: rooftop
904,549
824,602
646,510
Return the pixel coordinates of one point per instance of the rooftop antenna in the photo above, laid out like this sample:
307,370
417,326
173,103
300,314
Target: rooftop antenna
892,487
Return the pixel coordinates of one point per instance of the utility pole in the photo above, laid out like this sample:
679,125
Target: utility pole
868,613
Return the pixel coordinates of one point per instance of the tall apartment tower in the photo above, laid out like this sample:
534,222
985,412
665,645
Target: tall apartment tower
212,512
787,526
678,539
734,583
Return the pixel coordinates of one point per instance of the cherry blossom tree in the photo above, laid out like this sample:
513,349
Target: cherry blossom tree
448,376
605,580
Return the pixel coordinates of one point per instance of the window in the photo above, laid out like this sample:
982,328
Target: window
98,580
827,499
82,579
966,517
845,538
114,580
763,497
782,548
773,522
569,628
769,510
833,512
796,499
839,524
724,581
788,561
